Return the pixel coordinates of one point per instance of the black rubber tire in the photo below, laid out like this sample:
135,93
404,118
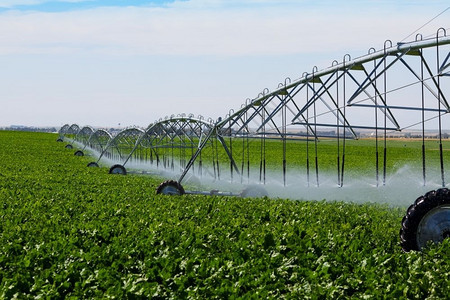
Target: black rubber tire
170,187
59,140
79,153
254,191
69,146
417,229
118,169
93,164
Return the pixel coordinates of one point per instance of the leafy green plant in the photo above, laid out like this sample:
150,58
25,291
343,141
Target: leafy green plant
68,231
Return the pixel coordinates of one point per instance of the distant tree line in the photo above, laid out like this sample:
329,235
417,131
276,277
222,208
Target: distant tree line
29,128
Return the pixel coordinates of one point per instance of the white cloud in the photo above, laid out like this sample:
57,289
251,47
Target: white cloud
198,27
134,65
15,3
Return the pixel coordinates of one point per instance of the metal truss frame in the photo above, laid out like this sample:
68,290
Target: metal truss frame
399,87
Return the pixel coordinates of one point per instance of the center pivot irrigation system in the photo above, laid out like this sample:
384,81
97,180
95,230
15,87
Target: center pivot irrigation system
400,88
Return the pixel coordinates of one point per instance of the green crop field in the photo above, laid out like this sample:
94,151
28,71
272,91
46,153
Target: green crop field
68,231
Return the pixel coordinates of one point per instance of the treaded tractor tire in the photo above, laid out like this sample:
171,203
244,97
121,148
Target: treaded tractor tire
93,164
69,146
118,169
428,219
79,153
170,187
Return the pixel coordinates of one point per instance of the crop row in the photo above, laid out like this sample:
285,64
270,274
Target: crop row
71,231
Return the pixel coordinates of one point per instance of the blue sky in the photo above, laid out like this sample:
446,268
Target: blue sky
62,5
131,62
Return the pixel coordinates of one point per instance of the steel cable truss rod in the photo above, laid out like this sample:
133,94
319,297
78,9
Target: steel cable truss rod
358,103
261,109
320,93
114,142
399,48
197,153
444,66
339,115
284,104
370,80
433,78
170,128
389,107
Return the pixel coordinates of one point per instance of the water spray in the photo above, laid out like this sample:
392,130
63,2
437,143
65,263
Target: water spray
377,98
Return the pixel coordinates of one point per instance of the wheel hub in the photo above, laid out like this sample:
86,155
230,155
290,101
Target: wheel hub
170,190
435,226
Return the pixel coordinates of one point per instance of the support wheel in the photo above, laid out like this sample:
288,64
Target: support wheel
59,140
170,187
118,169
93,164
254,191
428,219
69,146
79,153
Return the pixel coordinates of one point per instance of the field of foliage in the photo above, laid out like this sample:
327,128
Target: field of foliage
71,231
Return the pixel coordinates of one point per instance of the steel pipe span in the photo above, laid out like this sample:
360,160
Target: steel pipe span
385,91
397,49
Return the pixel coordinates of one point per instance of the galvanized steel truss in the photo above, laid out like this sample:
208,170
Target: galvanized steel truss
400,87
